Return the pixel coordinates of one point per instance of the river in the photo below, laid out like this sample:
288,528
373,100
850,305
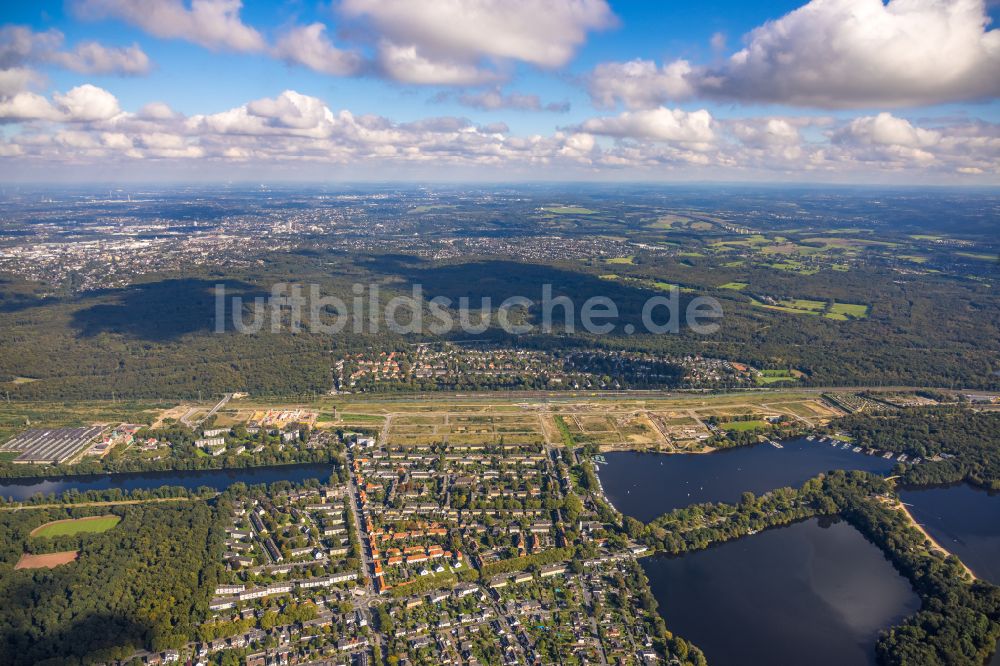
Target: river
219,479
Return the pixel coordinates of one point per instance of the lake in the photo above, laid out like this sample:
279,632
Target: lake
965,521
811,593
219,479
646,485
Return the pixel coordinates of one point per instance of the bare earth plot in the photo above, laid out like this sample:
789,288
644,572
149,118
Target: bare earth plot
669,424
46,561
479,426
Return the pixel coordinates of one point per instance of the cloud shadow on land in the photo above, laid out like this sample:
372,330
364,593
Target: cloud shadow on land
500,279
159,311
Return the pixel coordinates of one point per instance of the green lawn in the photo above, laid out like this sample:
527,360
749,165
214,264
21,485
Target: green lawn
836,311
649,284
774,376
793,267
774,380
736,286
796,306
78,526
621,260
742,426
844,311
804,304
667,221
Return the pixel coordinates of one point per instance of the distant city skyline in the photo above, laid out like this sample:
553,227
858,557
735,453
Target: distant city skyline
827,91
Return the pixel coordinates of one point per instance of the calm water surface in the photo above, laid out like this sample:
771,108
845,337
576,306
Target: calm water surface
965,521
646,485
811,593
813,589
219,479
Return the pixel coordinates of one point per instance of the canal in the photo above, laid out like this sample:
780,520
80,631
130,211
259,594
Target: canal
218,479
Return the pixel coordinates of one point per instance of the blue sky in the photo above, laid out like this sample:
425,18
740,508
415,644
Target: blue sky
837,90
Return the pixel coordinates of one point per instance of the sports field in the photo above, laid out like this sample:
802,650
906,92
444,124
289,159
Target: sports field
75,526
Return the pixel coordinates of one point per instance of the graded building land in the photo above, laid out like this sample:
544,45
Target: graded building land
648,421
669,424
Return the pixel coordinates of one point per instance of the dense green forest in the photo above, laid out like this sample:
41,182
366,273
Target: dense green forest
156,339
958,444
141,584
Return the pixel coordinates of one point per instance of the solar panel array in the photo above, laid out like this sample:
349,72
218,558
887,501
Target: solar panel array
53,445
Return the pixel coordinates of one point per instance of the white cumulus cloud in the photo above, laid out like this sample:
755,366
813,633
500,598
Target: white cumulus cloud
95,58
214,24
309,46
834,54
857,53
20,45
446,41
543,32
406,65
86,128
84,103
662,124
15,80
639,83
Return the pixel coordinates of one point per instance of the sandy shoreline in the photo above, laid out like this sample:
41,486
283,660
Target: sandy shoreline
934,544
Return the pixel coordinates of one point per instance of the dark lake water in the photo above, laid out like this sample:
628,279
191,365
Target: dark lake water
646,485
965,521
811,593
801,599
219,479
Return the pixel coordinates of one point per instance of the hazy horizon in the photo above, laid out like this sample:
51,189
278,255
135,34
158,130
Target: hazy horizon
826,91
